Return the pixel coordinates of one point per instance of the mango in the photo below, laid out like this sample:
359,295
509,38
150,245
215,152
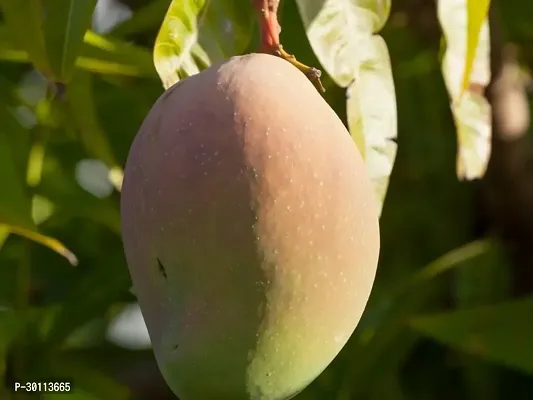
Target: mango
250,230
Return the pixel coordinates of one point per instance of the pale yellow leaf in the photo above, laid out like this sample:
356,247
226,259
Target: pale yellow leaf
335,27
371,109
473,119
342,35
466,74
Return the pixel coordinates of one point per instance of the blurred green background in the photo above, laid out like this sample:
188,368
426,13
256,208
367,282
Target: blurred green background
451,313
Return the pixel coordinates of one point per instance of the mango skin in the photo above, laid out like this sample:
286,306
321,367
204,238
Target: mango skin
250,229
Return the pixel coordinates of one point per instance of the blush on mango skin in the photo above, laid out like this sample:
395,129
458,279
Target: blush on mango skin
250,229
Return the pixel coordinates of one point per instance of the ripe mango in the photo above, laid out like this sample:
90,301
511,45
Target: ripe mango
250,230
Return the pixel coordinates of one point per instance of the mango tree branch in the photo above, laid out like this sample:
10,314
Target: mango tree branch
269,30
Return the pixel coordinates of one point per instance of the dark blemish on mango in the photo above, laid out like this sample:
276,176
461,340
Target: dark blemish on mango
162,270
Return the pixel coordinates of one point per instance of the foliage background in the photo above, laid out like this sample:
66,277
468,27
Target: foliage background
450,314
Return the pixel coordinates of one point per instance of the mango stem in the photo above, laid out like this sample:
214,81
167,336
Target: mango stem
270,29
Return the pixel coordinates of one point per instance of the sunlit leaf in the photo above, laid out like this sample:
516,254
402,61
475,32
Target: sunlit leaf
42,209
501,333
466,71
111,56
371,109
477,14
35,163
334,29
472,113
24,20
47,241
196,34
341,33
4,233
50,31
98,54
9,49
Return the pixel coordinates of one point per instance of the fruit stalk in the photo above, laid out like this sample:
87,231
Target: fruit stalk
269,42
269,27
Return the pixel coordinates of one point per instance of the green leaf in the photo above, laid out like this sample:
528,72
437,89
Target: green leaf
12,322
60,187
381,339
466,71
4,233
82,112
51,32
341,33
99,54
106,55
88,380
198,33
453,259
371,109
145,18
488,281
24,19
15,204
65,26
501,333
91,297
76,394
9,49
32,322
